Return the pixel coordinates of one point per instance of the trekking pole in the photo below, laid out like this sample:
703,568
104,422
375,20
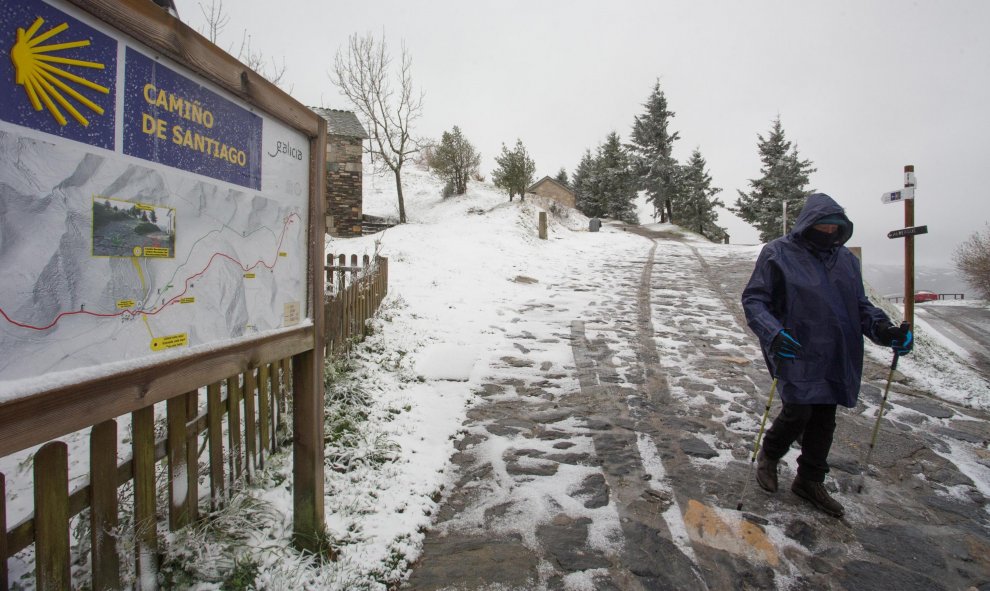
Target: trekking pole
756,446
876,427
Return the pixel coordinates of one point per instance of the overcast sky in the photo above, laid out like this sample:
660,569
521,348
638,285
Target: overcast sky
862,88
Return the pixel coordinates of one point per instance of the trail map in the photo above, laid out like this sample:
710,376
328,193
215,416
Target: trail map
140,211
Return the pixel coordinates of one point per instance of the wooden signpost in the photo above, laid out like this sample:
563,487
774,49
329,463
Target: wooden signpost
908,232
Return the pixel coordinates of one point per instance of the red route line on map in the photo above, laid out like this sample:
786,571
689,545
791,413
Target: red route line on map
153,312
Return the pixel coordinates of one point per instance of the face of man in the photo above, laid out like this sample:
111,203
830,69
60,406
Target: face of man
827,228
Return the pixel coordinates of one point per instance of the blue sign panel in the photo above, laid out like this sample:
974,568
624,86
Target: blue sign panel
58,74
172,120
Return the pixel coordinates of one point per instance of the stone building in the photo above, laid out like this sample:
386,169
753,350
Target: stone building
553,189
345,136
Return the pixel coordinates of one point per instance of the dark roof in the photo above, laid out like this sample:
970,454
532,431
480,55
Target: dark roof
343,123
552,180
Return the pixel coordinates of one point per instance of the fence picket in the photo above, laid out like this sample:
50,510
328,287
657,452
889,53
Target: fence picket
192,453
263,415
145,530
273,390
103,506
178,468
3,533
250,431
234,426
214,413
51,517
286,385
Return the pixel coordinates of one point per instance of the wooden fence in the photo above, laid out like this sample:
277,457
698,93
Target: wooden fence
354,293
242,420
225,430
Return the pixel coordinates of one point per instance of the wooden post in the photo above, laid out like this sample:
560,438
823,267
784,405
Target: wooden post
214,421
909,250
234,427
307,447
250,431
51,517
178,469
543,225
145,528
273,387
3,533
103,506
192,453
264,416
308,519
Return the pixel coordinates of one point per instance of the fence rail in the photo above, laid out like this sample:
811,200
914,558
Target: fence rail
353,294
940,296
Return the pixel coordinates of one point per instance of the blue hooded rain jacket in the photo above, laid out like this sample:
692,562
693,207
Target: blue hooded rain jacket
818,295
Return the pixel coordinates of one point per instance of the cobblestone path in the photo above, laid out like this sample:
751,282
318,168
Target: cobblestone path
612,455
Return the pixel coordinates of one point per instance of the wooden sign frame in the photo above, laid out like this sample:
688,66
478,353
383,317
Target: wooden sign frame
33,419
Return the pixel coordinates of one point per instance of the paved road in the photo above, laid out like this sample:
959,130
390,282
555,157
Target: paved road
623,470
967,326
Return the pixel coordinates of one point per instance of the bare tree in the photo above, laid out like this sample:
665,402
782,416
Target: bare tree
972,259
257,62
363,73
217,20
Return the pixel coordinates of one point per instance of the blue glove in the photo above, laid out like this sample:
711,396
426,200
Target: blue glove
899,338
784,346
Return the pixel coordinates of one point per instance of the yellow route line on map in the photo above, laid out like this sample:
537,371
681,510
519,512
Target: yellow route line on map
137,265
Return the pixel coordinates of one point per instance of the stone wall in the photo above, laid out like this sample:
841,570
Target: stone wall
344,195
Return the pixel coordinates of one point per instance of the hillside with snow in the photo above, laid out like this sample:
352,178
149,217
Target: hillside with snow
482,320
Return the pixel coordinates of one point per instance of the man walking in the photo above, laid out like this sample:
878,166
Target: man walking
806,303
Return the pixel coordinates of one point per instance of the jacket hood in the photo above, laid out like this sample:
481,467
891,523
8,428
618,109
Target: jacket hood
816,207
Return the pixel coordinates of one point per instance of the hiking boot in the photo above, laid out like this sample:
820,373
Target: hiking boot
815,493
766,472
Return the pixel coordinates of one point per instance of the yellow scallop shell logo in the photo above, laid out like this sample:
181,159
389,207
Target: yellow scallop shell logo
47,85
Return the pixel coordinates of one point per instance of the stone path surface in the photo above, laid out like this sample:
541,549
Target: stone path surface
613,455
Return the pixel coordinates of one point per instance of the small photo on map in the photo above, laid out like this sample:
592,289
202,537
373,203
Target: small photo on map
129,229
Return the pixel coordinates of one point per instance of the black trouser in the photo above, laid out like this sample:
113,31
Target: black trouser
817,422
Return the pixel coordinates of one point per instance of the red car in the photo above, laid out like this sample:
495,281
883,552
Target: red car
925,296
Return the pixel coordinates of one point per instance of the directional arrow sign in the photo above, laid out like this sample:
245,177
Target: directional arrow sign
912,231
899,195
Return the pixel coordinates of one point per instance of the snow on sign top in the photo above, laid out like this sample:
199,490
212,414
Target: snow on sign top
144,210
898,196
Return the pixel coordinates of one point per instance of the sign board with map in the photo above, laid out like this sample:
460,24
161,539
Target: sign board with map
144,208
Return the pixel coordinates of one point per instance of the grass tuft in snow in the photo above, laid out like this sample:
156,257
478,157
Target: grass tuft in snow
348,443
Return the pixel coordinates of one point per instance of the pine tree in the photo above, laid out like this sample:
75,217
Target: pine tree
515,170
454,160
697,201
611,183
581,185
651,147
562,177
784,180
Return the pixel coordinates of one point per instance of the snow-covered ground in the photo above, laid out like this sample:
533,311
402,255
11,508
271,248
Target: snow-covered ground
459,270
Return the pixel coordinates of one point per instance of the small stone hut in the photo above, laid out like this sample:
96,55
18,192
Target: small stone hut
553,189
345,136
